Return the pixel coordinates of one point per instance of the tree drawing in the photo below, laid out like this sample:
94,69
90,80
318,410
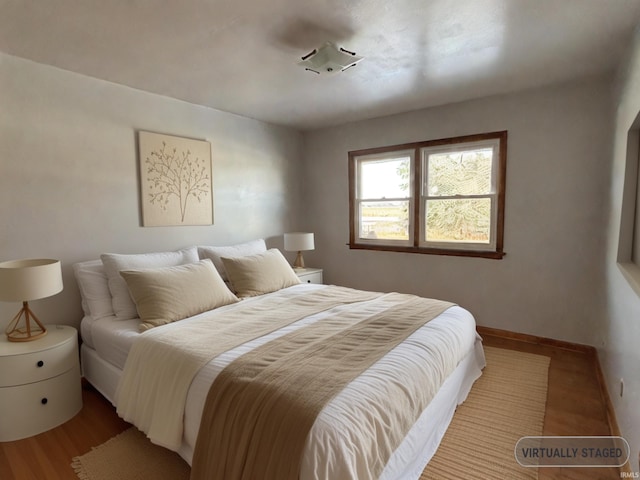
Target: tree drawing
176,174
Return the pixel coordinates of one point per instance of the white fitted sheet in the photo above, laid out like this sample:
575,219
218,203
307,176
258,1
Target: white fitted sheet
112,339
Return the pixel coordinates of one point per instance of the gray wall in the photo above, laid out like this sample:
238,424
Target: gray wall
550,282
620,328
69,174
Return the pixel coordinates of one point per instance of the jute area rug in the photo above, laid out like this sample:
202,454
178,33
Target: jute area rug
507,402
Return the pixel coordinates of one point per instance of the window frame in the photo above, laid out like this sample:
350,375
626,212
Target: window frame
411,197
417,210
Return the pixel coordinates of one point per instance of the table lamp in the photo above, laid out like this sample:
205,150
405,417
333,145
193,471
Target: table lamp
24,280
297,242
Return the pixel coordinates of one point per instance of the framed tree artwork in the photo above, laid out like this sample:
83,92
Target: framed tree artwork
176,183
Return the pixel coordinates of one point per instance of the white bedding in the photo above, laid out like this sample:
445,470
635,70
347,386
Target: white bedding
112,340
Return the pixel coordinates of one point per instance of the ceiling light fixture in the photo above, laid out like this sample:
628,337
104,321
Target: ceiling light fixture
329,59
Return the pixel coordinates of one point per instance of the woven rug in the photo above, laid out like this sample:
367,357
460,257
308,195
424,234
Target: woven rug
130,456
506,402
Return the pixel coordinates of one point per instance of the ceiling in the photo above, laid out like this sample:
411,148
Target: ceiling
241,56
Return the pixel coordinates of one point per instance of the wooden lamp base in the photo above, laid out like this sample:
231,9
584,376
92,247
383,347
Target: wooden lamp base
299,263
17,333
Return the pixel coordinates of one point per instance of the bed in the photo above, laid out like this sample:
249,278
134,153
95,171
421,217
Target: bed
428,373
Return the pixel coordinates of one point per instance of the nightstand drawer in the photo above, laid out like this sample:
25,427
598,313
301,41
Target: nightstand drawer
36,366
315,277
31,409
309,275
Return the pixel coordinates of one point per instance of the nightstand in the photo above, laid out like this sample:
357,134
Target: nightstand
39,383
309,275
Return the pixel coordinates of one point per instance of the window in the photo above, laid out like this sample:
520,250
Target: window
629,238
442,196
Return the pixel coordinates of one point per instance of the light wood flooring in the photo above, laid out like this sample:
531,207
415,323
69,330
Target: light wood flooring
575,406
575,403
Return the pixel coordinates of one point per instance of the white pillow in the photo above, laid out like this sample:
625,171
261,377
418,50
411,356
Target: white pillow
94,289
259,274
123,305
168,294
215,254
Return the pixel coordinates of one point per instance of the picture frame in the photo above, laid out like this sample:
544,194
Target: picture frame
176,180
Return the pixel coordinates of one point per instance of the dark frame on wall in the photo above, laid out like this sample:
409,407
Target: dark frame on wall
628,257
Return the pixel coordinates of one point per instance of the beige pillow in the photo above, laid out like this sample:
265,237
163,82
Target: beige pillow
166,294
123,305
258,274
215,254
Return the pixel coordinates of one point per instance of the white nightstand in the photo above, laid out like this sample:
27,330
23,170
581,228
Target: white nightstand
309,275
39,383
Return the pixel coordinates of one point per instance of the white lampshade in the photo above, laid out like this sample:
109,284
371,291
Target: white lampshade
298,241
24,280
30,279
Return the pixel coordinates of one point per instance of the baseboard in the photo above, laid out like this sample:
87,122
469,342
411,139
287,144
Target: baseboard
525,337
611,414
592,352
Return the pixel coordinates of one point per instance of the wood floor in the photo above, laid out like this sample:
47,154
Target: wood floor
574,407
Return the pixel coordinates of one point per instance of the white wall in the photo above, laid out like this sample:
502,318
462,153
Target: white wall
620,355
69,173
550,282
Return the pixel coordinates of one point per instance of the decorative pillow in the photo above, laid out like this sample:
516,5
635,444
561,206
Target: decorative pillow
258,274
240,250
123,305
167,294
94,289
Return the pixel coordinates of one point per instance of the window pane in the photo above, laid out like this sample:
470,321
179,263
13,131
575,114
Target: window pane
464,220
384,220
388,178
460,173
